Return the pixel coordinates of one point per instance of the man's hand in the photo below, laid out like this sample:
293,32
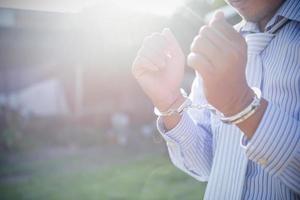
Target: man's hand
159,69
219,55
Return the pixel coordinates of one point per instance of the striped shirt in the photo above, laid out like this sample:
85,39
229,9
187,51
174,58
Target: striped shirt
267,166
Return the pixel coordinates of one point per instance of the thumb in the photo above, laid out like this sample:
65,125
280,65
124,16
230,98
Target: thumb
170,38
218,16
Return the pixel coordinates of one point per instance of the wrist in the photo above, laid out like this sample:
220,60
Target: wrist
171,121
170,101
250,125
240,103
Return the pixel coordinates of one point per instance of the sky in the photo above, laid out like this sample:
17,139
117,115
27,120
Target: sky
158,7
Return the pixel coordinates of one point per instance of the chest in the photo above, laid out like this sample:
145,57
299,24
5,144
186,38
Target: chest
281,70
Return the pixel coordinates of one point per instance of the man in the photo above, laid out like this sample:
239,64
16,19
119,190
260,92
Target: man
256,153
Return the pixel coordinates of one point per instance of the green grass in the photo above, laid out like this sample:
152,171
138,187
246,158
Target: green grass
151,178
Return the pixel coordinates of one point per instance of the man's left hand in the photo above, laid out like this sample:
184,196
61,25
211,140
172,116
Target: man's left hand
219,55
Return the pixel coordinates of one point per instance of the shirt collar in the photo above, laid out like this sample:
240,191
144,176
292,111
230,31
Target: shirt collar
289,9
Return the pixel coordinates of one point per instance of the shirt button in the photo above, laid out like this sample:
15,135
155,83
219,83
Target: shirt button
263,162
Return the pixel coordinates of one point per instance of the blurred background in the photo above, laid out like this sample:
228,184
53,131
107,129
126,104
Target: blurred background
74,124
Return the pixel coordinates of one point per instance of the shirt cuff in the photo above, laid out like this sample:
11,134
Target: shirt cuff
183,133
275,140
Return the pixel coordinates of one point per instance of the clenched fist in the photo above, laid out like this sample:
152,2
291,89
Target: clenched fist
219,55
159,68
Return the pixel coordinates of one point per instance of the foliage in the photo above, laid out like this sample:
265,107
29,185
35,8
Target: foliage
10,128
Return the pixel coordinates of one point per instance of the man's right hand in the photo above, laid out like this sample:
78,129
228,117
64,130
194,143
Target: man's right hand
159,69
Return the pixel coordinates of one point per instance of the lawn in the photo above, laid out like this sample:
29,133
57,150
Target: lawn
72,178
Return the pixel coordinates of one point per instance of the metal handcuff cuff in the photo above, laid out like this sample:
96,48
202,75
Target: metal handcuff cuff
235,119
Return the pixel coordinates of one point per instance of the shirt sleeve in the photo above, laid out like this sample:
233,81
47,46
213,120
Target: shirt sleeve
276,146
190,142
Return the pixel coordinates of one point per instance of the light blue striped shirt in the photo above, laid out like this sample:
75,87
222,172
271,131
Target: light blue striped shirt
267,166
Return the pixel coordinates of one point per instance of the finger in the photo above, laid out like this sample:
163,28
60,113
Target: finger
202,45
169,36
200,64
219,19
156,41
155,57
142,65
171,40
222,26
218,15
154,48
217,38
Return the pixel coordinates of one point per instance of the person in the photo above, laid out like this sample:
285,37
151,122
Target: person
249,148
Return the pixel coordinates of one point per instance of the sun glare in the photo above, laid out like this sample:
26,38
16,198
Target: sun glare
158,7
